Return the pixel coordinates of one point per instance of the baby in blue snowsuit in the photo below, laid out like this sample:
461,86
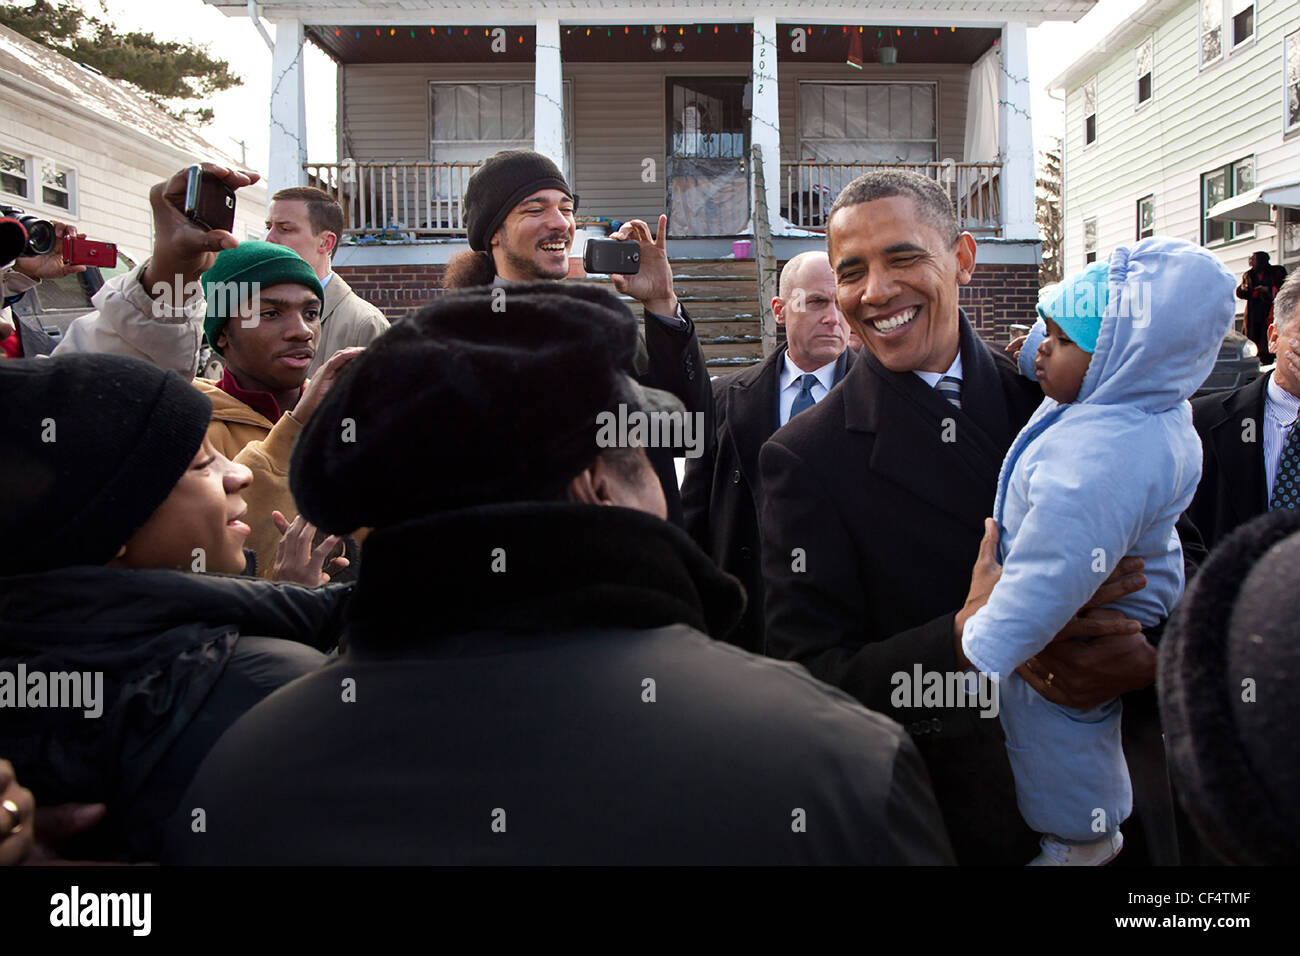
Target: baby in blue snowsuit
1103,469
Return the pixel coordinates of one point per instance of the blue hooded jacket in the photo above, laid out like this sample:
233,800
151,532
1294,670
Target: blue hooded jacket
1087,483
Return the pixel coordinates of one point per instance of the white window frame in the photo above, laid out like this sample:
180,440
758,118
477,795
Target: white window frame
1148,198
523,81
1290,60
934,87
34,202
1138,102
1229,16
1202,61
1288,218
1092,82
1091,220
1232,231
71,208
19,199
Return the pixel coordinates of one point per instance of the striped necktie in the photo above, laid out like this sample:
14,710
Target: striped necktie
950,388
804,399
1286,483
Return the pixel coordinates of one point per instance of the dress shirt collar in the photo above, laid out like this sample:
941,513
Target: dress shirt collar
954,370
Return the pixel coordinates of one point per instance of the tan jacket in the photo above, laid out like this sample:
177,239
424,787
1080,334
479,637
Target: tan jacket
246,436
346,320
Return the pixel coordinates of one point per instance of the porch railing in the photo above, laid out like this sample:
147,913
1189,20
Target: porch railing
809,188
396,200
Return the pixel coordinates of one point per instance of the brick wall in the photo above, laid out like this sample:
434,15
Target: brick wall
999,296
397,291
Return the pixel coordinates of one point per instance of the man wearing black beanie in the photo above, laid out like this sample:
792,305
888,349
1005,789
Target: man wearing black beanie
519,214
560,702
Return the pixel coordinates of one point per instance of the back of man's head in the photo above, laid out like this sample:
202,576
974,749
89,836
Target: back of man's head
323,210
932,202
484,396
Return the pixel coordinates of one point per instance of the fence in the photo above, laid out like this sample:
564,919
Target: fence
397,200
809,188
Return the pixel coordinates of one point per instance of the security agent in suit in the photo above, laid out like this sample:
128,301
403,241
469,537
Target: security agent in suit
519,217
1248,435
719,497
873,508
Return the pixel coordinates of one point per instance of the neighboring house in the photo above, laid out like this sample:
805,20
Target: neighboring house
78,147
654,107
1185,121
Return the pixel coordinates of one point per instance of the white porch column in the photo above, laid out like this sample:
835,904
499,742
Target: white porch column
548,95
288,110
765,122
1016,135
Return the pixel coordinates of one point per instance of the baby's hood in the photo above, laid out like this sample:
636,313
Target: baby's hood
1170,305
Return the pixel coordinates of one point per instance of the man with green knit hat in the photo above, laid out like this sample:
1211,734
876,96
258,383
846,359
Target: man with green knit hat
258,305
263,304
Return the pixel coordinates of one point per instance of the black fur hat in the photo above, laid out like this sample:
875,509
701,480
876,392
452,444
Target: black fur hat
1229,663
485,395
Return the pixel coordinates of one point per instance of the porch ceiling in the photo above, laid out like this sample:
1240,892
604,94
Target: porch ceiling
721,42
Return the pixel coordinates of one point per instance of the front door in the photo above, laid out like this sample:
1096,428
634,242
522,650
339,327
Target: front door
707,149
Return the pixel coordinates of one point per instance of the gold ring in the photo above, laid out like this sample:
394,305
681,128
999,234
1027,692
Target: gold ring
1050,675
12,809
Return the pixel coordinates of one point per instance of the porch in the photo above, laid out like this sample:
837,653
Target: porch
649,117
413,201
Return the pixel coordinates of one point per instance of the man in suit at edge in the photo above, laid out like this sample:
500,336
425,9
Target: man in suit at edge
1248,436
719,497
873,507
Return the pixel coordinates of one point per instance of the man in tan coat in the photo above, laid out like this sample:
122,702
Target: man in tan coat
310,222
159,312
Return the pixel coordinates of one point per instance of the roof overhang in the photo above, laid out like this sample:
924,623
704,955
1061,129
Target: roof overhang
1257,204
505,12
1132,28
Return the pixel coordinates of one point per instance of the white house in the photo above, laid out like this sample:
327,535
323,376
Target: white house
654,107
78,147
1185,121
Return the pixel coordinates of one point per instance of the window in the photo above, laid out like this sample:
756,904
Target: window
468,122
1211,30
868,122
13,175
1145,69
1291,80
1290,236
1218,185
1089,241
1090,111
56,186
1242,13
1146,217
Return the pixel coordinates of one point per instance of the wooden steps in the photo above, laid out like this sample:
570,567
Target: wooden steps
721,296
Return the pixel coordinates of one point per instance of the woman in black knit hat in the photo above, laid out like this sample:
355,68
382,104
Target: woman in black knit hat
118,666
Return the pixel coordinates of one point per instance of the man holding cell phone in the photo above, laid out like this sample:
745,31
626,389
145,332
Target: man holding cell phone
519,214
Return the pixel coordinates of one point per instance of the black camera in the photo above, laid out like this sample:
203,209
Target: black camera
603,256
23,235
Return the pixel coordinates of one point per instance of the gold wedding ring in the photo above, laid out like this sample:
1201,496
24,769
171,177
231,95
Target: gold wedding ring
12,809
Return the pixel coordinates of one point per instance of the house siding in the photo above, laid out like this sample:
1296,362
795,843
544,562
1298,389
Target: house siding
619,116
1198,120
115,170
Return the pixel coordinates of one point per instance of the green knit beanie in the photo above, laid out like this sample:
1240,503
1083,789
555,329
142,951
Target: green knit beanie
252,264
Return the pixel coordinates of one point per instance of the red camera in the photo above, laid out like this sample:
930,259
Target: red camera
87,252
